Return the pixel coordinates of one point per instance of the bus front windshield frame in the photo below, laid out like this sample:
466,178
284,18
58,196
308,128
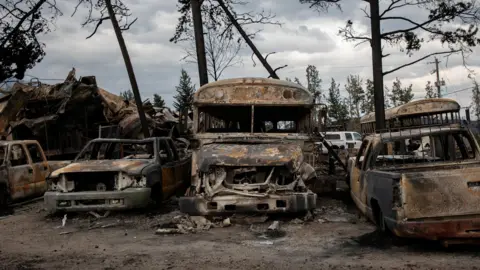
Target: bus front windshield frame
254,119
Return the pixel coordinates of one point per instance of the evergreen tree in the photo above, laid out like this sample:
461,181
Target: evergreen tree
356,94
430,92
185,91
296,80
400,95
313,81
368,104
476,99
158,101
337,108
128,95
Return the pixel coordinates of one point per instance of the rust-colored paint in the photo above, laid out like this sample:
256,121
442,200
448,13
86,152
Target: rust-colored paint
433,200
253,91
422,106
102,166
463,227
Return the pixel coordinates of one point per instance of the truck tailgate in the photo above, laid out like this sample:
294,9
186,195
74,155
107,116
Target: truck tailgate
441,193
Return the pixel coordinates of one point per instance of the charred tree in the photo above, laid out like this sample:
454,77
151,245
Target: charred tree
128,65
452,23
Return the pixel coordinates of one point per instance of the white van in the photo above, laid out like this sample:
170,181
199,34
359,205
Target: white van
343,140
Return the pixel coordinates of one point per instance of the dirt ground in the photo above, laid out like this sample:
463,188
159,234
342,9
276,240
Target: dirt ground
335,238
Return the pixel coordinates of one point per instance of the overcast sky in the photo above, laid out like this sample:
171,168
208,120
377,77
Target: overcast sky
306,37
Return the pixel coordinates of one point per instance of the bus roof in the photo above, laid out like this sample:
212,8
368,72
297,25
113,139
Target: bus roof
417,107
248,91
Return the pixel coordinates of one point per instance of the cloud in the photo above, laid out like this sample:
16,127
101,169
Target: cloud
306,37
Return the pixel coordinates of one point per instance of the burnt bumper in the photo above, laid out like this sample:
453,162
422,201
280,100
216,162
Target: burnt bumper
448,228
97,200
291,203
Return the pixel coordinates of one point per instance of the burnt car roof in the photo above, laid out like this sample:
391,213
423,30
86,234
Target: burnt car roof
419,131
151,139
4,143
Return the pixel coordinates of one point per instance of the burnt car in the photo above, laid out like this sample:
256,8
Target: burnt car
116,174
23,171
421,177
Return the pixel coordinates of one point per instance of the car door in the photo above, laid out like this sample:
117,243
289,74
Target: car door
20,172
349,140
357,174
168,168
40,167
181,168
357,139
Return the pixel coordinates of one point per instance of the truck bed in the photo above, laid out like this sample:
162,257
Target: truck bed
438,190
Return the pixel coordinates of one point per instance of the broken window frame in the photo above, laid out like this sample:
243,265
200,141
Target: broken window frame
5,151
441,139
25,155
304,124
39,158
96,145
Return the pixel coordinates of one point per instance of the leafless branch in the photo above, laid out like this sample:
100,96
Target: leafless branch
97,13
268,54
350,35
221,53
420,59
322,5
393,5
99,22
416,26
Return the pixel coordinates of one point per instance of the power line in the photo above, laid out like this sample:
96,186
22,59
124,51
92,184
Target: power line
456,91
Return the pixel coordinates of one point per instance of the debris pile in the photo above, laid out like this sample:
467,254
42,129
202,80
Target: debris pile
334,213
76,109
183,224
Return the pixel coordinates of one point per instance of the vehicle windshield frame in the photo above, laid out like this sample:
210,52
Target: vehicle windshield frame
303,122
91,144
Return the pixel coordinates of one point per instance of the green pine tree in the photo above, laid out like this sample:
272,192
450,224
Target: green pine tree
356,94
297,80
476,99
128,95
368,104
430,92
314,82
185,91
400,95
337,109
158,101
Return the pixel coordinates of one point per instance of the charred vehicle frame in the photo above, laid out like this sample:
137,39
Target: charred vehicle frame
252,148
115,174
420,178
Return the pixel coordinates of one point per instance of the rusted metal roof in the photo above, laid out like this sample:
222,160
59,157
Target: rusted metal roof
245,91
417,107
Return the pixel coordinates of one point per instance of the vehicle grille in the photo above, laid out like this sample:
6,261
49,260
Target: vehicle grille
93,181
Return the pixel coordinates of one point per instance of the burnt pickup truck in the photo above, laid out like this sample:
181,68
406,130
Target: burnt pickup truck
118,174
23,171
420,182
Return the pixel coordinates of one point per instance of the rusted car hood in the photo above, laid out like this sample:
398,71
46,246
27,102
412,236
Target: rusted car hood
127,166
289,155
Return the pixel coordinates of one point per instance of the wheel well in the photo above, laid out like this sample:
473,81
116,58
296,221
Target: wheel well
157,192
375,209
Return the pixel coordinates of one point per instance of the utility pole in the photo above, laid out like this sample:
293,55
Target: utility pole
439,94
260,57
199,41
376,44
128,64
